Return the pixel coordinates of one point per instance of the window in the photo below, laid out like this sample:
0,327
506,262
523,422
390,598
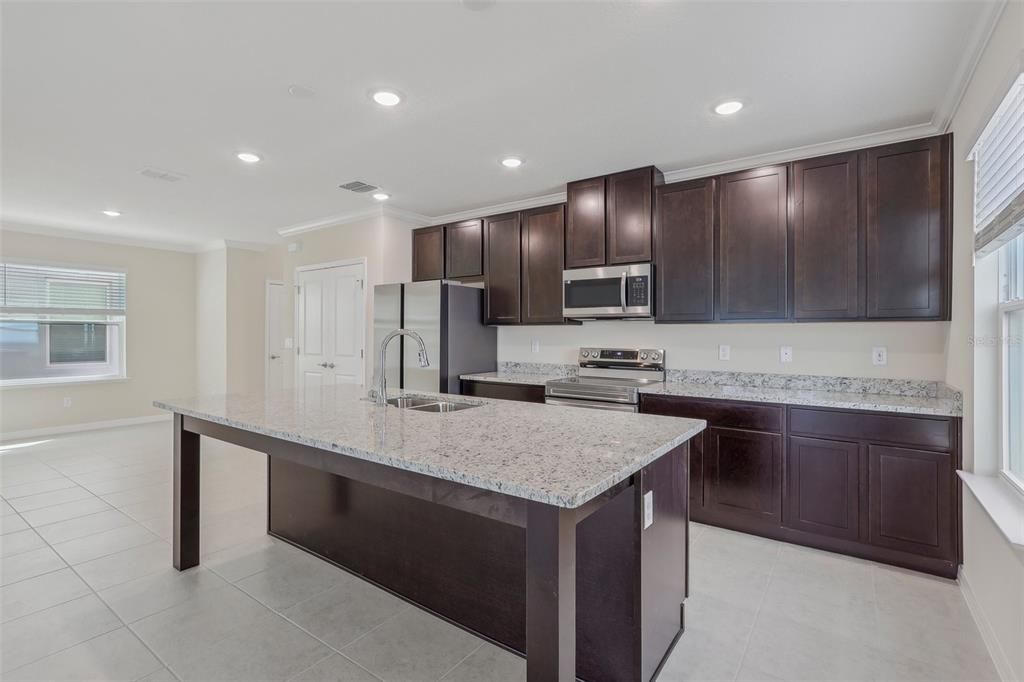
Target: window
1011,306
60,324
998,159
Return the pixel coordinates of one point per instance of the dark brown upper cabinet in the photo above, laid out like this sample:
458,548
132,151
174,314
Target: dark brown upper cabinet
585,223
684,235
428,253
752,245
502,245
609,218
464,249
906,204
543,254
828,281
629,209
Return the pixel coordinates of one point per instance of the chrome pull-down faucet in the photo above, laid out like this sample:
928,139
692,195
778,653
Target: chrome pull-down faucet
382,383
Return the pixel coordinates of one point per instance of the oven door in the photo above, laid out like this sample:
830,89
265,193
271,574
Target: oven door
591,404
614,291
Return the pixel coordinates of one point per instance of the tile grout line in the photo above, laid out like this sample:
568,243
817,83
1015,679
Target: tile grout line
757,614
461,661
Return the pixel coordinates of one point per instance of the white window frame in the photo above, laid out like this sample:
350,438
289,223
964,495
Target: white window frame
1004,389
81,365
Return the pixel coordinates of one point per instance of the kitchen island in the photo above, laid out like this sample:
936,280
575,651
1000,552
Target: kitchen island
559,534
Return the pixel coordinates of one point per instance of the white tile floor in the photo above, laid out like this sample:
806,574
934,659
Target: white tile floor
87,592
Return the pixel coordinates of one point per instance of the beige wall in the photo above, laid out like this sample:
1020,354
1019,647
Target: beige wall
211,330
991,568
916,349
246,277
160,335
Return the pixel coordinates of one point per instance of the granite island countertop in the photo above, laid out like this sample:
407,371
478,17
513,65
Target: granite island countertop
879,395
555,455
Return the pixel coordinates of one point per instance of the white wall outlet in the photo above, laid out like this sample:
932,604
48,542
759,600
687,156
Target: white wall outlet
648,509
786,354
288,342
880,356
294,247
724,352
67,401
534,345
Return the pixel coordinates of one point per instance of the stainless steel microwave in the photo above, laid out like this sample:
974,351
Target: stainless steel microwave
612,291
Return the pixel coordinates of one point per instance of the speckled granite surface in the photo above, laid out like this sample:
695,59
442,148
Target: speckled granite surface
853,393
556,455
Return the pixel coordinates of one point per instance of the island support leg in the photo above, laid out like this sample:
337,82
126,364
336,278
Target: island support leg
550,594
186,496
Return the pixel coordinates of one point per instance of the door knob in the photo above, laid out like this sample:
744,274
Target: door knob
274,357
322,364
330,365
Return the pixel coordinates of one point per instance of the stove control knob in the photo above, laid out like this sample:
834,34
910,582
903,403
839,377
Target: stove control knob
586,353
655,356
643,356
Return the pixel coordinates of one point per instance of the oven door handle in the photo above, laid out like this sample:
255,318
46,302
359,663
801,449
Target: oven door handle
622,291
555,392
591,405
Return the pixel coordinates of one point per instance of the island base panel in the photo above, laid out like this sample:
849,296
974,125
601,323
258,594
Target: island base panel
471,570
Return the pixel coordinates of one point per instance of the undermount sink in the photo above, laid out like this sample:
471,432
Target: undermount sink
428,404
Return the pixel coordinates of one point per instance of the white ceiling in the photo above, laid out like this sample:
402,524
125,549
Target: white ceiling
94,92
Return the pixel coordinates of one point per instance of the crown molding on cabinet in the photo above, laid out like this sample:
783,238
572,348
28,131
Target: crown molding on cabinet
506,207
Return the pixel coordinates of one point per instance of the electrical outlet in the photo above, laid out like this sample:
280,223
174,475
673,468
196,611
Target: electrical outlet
724,352
67,401
534,345
880,356
294,247
288,342
648,509
786,354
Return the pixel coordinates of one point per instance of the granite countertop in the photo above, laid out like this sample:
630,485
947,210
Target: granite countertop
556,455
880,395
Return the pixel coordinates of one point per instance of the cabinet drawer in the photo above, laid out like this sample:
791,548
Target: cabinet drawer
929,432
724,413
523,392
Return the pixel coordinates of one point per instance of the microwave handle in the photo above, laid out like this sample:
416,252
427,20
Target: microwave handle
622,292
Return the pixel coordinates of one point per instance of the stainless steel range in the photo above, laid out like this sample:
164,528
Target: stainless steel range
609,379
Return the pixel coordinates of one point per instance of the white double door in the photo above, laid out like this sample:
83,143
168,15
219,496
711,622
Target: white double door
331,323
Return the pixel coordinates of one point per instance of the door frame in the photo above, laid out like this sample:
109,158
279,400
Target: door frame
297,320
266,329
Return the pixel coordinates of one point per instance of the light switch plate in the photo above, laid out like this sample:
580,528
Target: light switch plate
880,356
786,354
288,343
648,509
534,345
67,402
724,352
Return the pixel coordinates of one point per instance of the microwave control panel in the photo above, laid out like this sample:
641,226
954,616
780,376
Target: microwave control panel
638,291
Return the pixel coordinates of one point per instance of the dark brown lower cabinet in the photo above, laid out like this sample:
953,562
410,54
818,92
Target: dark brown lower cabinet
743,476
875,485
526,393
823,484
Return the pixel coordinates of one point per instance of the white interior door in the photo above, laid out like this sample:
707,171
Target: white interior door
275,335
331,311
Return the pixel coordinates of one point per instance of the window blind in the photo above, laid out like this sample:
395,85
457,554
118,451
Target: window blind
34,291
999,174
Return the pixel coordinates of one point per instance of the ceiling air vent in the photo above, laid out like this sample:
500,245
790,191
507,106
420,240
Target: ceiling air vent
157,174
358,186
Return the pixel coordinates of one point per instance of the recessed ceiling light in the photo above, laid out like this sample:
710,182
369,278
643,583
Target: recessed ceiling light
386,98
248,157
381,196
112,213
511,162
727,108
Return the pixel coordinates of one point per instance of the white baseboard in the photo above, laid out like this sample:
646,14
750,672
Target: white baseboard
88,426
988,635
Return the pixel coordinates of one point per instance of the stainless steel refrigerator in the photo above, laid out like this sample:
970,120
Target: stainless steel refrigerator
449,317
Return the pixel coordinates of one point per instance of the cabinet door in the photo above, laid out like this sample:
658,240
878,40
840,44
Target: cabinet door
907,228
752,248
697,448
585,223
464,249
827,271
628,208
823,489
684,232
428,253
743,476
543,261
911,498
501,265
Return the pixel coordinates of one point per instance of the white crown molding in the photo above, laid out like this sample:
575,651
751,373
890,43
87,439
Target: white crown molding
976,44
417,219
506,207
65,233
218,244
332,221
804,152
